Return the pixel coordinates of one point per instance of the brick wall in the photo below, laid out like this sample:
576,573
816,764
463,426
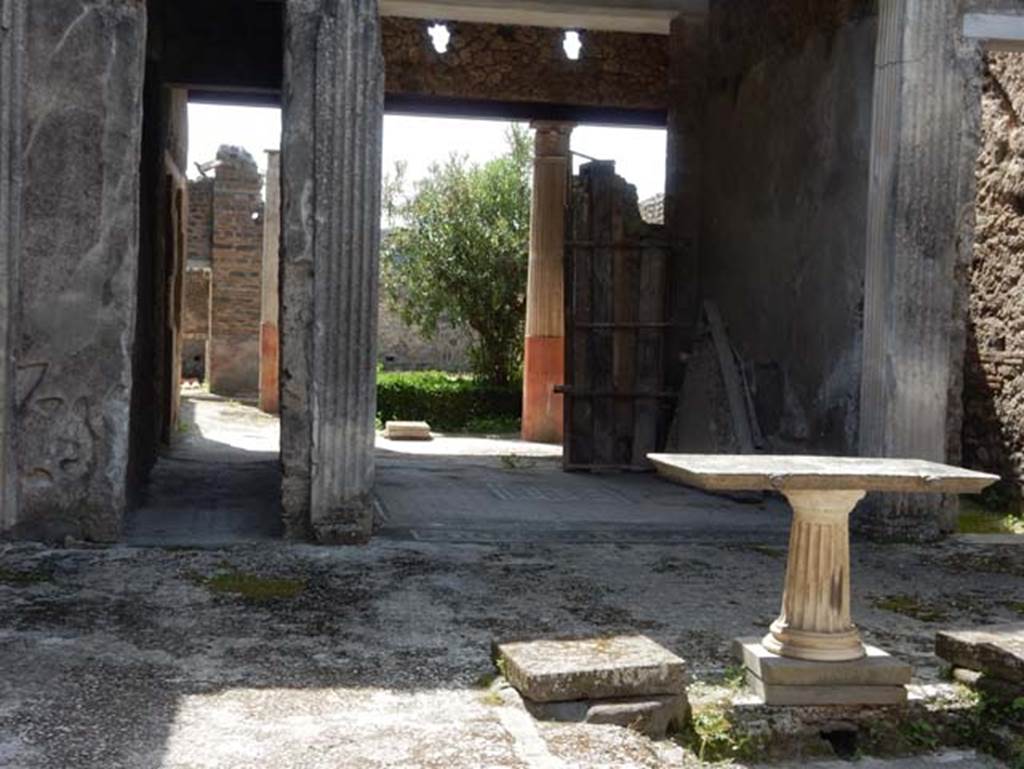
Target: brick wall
195,324
236,267
200,220
993,428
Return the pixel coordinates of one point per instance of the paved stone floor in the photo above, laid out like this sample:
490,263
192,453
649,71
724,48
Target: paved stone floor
218,485
296,656
272,654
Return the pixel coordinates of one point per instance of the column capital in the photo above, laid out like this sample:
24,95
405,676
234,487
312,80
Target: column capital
552,138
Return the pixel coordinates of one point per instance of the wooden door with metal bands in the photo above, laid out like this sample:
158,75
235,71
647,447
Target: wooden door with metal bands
616,267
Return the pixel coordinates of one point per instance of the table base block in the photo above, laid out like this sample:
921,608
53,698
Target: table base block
876,679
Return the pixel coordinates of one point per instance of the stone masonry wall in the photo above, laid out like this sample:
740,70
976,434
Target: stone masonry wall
993,428
84,70
237,264
510,63
785,191
403,348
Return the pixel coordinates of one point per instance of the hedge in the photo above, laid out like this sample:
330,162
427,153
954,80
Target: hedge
448,402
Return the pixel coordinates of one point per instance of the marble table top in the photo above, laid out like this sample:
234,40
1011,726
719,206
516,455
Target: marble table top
774,472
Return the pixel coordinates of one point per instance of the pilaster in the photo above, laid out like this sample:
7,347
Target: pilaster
331,167
920,192
12,30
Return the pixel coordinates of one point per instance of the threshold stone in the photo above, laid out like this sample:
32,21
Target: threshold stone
590,669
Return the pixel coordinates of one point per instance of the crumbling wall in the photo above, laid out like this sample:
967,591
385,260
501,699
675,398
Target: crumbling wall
517,63
785,188
237,259
993,428
83,79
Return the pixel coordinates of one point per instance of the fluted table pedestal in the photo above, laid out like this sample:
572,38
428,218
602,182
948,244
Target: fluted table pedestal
813,653
815,621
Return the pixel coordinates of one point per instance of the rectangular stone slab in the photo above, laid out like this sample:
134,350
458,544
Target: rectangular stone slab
997,650
590,669
878,668
725,472
775,694
407,431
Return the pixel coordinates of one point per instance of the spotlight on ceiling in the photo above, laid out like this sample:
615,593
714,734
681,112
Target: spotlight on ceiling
572,45
440,36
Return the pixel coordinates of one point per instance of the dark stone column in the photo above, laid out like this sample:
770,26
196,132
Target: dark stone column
921,192
330,166
12,40
78,260
688,73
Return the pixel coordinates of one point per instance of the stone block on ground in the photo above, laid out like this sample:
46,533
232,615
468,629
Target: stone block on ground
653,715
878,668
877,679
407,431
590,669
997,650
775,694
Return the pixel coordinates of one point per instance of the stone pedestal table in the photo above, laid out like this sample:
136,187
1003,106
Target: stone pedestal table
815,622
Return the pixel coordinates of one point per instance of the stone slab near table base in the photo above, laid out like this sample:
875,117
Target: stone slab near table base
407,431
996,650
653,715
877,679
590,669
997,688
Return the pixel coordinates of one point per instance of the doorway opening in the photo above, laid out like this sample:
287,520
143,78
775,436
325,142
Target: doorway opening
215,476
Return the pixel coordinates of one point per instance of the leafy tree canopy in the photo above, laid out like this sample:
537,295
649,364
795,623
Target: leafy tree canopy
456,250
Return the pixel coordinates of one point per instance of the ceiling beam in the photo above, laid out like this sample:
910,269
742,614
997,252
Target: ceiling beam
639,16
997,32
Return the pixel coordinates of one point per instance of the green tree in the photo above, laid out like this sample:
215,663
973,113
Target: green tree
456,250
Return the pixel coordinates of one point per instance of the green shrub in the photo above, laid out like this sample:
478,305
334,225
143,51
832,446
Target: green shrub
448,402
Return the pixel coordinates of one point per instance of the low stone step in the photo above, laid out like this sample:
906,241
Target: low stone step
407,431
997,650
590,669
653,715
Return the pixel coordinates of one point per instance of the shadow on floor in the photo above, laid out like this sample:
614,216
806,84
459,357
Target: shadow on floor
218,484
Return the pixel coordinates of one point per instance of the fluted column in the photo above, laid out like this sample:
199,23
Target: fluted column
923,151
544,356
331,166
815,622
